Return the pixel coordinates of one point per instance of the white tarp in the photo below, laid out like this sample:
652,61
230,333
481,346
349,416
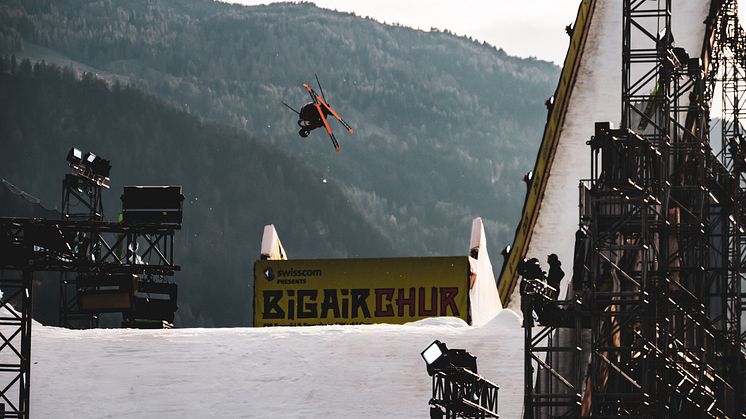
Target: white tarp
485,301
271,247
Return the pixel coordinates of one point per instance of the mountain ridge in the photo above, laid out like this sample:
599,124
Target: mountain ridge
444,127
46,110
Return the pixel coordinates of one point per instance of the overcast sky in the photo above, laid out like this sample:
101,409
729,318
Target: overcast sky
526,28
523,28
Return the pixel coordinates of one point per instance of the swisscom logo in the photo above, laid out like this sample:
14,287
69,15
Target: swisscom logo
269,274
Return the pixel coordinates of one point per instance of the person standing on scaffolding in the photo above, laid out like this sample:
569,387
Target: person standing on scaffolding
532,273
555,275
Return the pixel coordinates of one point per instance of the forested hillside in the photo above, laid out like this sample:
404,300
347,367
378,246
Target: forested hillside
233,183
445,127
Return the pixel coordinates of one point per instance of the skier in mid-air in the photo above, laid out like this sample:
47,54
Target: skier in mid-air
314,115
309,118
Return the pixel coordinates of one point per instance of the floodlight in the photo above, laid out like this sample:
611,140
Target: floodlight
435,356
101,167
89,166
439,358
528,177
89,158
505,251
74,156
433,352
97,165
458,391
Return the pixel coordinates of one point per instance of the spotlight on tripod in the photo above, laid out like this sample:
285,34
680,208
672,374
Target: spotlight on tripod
458,391
89,166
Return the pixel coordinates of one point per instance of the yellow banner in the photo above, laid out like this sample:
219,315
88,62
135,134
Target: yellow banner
359,291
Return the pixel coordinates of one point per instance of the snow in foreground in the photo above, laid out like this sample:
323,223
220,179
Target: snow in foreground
369,371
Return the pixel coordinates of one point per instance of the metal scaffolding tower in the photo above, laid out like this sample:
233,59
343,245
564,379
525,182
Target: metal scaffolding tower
81,201
660,253
29,245
110,270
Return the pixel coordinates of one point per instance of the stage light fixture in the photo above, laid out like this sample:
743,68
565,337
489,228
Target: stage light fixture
438,357
89,158
74,156
89,166
528,178
457,388
101,167
435,357
549,102
505,252
433,353
97,165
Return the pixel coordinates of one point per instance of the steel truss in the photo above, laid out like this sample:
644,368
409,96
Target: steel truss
554,360
15,343
81,200
658,279
58,246
461,393
656,351
32,245
732,76
94,243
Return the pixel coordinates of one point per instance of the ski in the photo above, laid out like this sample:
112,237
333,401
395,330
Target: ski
318,99
328,128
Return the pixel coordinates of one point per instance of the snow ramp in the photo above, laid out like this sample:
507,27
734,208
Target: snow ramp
589,91
547,151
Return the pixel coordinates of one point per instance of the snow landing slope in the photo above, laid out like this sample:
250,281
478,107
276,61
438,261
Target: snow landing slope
368,371
371,371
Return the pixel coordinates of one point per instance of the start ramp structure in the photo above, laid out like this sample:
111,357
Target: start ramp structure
652,324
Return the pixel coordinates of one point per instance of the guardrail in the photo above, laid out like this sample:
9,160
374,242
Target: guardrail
545,157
